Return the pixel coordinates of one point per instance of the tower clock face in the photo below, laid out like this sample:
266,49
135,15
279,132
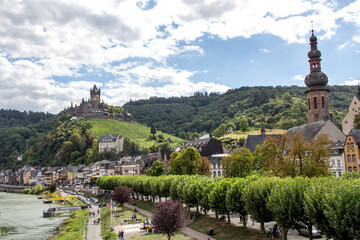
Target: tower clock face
322,77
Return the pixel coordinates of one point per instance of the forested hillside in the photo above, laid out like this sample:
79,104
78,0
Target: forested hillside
61,141
280,107
19,131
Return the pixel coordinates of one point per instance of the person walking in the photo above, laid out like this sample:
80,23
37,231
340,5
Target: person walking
121,235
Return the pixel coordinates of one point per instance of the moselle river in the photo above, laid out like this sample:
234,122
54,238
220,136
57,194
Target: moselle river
21,217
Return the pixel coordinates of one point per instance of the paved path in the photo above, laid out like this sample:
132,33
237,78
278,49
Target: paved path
187,231
94,229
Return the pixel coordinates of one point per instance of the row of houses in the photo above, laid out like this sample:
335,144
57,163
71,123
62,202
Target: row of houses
209,148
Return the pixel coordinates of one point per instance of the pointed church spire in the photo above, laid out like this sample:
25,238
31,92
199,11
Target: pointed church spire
358,91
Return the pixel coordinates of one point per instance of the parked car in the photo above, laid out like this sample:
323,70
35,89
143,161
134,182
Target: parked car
303,230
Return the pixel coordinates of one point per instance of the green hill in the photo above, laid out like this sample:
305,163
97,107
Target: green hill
280,107
136,132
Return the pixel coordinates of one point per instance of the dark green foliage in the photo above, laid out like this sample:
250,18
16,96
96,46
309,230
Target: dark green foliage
69,142
18,131
280,107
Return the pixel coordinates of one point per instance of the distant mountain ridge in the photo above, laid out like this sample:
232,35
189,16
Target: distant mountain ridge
280,107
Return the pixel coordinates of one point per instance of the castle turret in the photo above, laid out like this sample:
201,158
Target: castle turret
316,81
95,94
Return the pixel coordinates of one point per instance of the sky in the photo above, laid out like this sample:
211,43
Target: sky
53,52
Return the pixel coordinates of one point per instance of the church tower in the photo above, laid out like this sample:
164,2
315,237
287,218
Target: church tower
95,97
316,81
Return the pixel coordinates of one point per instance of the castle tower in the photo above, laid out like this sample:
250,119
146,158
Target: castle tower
316,81
95,97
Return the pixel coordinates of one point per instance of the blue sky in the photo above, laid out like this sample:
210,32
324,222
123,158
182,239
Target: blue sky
51,53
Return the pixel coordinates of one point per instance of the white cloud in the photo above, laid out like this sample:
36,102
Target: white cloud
352,81
264,50
356,38
298,77
342,46
42,40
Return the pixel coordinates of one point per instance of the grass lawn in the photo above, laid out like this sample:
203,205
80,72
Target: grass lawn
145,205
141,236
126,215
106,222
137,132
73,227
224,231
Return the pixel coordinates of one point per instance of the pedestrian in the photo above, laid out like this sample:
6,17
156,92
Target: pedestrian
122,235
269,235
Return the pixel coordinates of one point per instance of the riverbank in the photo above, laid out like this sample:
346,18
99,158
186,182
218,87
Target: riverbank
75,225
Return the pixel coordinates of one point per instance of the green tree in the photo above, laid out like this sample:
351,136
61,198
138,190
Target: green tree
256,196
287,203
238,164
153,130
314,197
65,153
234,199
244,125
217,197
342,209
187,162
157,168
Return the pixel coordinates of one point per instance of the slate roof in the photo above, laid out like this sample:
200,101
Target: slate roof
309,130
254,140
355,133
109,137
197,143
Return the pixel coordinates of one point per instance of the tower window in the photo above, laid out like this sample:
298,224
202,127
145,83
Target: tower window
323,101
315,103
309,104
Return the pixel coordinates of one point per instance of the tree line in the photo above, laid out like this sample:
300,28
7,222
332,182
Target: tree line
328,203
279,107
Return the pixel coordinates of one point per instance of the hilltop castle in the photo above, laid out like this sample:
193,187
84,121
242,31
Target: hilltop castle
92,106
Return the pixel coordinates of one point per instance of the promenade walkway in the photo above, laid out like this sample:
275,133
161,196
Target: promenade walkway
187,231
94,228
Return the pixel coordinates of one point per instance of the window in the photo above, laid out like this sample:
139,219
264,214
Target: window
348,146
349,158
214,166
219,173
349,169
333,162
346,122
309,104
214,174
355,169
315,103
353,158
322,101
352,145
339,174
338,163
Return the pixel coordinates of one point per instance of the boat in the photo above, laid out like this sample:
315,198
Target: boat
47,201
40,197
49,213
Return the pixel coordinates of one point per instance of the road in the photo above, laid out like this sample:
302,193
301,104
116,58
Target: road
94,228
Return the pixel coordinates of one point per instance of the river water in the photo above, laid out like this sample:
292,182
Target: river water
21,217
